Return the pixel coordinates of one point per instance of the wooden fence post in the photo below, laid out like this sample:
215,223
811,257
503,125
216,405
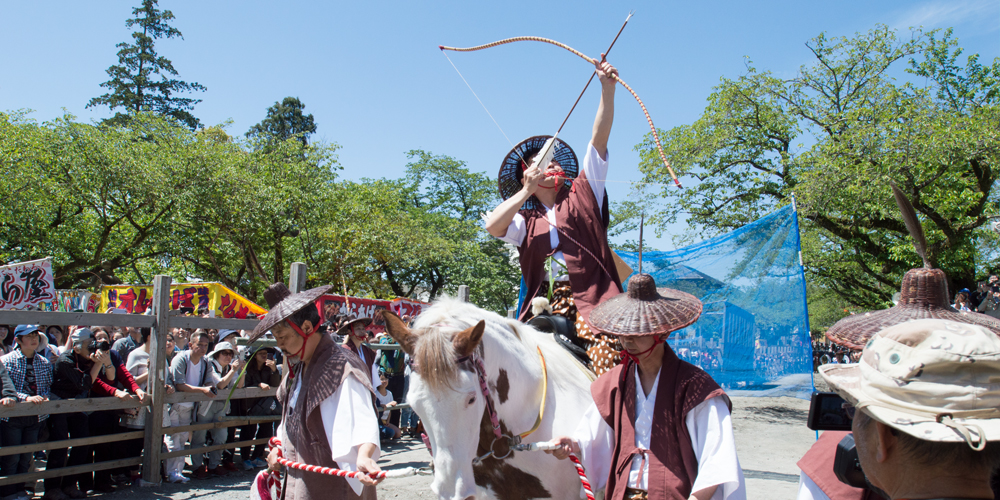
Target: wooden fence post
463,293
155,384
297,278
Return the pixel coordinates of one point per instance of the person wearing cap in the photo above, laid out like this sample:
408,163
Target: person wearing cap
225,368
560,224
926,409
923,294
355,335
327,418
962,301
262,372
73,378
31,376
660,427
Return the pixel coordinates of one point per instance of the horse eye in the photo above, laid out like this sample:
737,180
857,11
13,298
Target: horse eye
472,399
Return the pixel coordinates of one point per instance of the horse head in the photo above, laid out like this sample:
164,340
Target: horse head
448,400
455,350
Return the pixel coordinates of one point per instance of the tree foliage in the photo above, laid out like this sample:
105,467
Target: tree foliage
284,121
143,80
867,110
121,204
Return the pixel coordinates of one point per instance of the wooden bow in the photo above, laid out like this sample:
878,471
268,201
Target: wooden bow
592,61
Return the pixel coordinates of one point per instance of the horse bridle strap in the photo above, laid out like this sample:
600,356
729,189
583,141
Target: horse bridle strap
477,363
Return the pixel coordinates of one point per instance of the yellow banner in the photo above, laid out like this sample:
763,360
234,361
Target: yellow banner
196,298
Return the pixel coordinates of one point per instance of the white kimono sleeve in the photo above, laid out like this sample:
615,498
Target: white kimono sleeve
350,421
597,443
710,427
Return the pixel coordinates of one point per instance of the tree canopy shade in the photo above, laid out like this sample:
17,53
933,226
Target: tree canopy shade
143,80
285,120
869,109
121,204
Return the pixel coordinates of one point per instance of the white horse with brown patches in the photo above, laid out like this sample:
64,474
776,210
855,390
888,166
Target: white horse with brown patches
446,344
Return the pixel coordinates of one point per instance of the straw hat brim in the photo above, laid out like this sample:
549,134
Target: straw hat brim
625,316
286,308
347,327
854,331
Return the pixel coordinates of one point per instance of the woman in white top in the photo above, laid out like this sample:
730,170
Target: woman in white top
384,396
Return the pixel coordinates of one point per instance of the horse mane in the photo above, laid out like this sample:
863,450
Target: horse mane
436,327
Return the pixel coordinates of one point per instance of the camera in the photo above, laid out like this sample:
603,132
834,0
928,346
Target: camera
95,346
827,413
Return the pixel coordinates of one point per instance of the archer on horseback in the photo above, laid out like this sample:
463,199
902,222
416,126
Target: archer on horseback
557,216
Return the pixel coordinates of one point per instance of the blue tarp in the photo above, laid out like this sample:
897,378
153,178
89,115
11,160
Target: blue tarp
753,334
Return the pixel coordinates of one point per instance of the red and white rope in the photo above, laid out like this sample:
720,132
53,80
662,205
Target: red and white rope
583,476
275,442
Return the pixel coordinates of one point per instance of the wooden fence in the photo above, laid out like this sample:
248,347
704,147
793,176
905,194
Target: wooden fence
161,321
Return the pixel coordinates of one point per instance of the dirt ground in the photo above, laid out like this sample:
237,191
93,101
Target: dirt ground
771,435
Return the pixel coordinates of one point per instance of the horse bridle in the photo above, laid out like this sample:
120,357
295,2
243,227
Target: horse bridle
514,441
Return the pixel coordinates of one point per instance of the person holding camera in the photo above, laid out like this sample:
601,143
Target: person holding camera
991,302
189,372
73,378
926,409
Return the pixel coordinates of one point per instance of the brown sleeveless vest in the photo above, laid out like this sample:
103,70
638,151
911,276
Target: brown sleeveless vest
672,464
307,441
582,227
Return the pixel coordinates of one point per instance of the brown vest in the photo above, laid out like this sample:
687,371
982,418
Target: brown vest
581,222
672,464
307,441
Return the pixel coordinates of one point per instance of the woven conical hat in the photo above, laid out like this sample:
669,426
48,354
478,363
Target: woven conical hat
645,310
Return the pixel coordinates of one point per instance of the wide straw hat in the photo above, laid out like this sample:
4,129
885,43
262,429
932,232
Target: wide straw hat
512,168
282,304
933,379
645,310
344,330
924,295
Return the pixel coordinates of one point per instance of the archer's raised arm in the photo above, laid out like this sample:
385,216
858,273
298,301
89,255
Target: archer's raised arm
606,110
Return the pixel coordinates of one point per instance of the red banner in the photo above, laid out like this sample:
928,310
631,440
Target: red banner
331,305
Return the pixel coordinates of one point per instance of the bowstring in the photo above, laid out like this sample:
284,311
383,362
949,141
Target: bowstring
480,101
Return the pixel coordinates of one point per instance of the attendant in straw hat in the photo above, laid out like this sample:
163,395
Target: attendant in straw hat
326,418
355,335
557,217
924,405
659,427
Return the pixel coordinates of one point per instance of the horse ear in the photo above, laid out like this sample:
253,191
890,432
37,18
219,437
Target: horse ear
399,332
467,340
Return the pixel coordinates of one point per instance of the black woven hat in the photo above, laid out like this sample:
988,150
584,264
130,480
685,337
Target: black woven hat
512,169
282,304
645,310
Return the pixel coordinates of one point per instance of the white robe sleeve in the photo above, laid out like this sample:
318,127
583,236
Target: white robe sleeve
808,490
710,427
515,231
376,381
597,443
597,172
351,422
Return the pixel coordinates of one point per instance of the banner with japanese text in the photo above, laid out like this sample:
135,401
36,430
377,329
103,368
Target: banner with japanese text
26,284
331,305
187,297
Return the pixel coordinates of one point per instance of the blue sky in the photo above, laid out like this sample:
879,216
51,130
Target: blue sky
378,86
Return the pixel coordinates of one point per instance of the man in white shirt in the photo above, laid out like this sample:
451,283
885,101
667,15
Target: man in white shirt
659,427
327,418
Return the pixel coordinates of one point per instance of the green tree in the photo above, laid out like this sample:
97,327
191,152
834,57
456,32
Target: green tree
284,121
834,136
143,80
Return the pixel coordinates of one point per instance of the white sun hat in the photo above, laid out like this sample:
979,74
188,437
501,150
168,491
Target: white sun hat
934,379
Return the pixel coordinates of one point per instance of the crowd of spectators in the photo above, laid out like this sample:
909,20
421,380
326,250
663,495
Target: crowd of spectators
42,363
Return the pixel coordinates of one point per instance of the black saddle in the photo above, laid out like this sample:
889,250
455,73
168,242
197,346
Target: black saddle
564,331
